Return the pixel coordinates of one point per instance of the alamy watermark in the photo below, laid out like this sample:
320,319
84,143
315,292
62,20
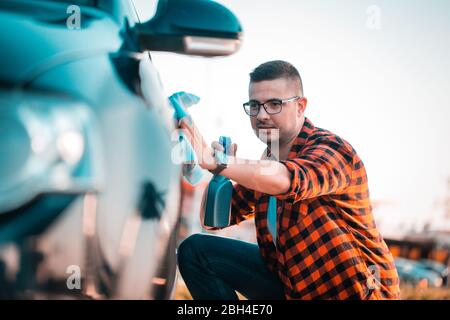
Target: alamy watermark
373,282
73,21
73,281
373,21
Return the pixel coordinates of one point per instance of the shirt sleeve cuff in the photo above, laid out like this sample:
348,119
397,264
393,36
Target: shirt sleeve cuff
294,188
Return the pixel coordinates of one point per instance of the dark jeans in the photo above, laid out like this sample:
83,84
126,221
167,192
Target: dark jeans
214,267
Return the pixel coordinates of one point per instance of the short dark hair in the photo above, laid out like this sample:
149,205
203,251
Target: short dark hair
276,69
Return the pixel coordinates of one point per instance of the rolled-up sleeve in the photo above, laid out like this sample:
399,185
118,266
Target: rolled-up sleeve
322,168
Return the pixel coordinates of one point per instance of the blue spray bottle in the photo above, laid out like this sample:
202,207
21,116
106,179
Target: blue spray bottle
216,204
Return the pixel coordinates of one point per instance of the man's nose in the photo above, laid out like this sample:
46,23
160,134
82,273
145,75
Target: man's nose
262,114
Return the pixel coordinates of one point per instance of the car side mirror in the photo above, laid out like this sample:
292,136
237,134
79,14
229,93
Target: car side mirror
194,27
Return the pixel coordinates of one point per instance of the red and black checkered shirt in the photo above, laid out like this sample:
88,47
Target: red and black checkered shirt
327,243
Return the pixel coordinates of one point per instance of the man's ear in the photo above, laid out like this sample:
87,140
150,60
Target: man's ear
301,105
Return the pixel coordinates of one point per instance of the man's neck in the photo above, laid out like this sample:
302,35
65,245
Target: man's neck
285,148
286,144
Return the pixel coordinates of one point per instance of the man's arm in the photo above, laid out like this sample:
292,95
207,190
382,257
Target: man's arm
266,176
326,167
323,168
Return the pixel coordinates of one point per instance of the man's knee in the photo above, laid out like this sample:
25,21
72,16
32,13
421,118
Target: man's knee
187,250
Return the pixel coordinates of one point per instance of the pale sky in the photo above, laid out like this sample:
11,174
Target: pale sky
381,84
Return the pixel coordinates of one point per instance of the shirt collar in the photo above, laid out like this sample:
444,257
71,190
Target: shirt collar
307,129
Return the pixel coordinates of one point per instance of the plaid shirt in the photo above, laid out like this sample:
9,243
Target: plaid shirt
327,246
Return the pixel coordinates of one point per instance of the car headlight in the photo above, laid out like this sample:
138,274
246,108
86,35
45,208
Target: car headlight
48,144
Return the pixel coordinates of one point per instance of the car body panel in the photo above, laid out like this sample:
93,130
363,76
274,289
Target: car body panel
117,231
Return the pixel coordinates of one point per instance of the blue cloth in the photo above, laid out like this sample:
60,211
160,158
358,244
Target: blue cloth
272,217
180,101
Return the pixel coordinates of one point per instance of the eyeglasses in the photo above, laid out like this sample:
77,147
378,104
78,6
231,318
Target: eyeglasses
272,106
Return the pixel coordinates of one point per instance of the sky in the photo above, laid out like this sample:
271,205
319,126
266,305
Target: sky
377,73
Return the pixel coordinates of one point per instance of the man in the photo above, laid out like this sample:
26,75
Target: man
323,242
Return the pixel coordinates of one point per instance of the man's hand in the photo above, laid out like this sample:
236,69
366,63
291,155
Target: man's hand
217,146
204,153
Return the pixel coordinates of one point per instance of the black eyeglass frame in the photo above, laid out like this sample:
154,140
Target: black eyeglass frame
263,104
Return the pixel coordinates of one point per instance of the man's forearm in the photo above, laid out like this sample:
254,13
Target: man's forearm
265,176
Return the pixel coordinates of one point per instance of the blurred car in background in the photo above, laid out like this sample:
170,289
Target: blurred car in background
90,196
426,273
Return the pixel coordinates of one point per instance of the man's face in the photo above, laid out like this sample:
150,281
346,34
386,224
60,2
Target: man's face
284,125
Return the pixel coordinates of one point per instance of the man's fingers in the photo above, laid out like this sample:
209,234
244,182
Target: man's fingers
217,146
203,152
185,124
233,149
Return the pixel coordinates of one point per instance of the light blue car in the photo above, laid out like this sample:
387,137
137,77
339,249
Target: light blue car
411,271
90,194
